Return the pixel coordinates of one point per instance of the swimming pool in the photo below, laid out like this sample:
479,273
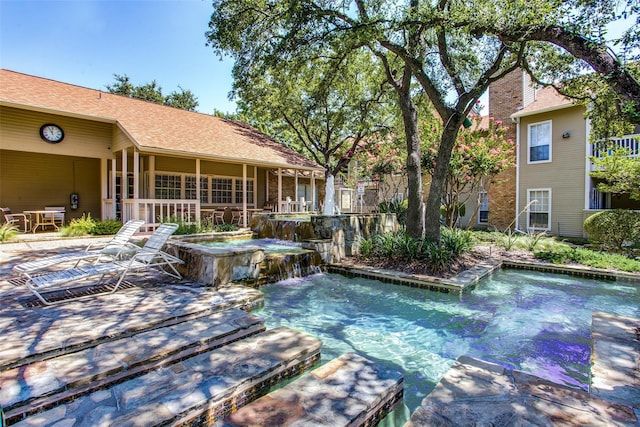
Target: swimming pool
535,322
269,245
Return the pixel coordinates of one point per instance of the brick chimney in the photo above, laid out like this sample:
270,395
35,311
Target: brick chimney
505,98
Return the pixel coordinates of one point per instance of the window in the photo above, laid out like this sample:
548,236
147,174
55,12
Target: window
221,190
539,210
190,187
168,186
238,184
540,142
204,189
483,211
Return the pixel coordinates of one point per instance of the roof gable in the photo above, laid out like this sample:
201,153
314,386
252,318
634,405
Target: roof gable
151,127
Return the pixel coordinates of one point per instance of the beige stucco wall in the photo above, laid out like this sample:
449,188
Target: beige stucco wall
564,175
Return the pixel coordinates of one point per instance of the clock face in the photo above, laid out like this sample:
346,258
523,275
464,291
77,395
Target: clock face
51,133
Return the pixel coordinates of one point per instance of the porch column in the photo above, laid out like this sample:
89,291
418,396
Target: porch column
313,190
136,183
279,189
244,194
295,191
104,187
198,192
266,177
114,196
152,178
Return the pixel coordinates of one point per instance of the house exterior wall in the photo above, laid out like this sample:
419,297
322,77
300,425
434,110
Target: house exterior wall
31,181
564,175
20,131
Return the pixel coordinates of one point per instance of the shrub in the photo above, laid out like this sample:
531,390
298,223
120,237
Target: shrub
186,228
437,256
456,241
79,226
220,228
106,227
8,231
366,247
566,255
613,228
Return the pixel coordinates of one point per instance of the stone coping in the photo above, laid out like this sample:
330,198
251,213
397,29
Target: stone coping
468,279
574,270
475,392
44,384
464,281
350,390
199,390
615,371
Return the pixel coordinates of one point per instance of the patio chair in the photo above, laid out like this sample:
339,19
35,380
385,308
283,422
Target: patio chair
19,220
58,217
149,258
218,216
236,216
118,247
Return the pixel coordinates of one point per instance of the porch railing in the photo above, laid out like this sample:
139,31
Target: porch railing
630,142
155,211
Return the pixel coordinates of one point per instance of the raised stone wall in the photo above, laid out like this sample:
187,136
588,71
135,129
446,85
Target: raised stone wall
333,236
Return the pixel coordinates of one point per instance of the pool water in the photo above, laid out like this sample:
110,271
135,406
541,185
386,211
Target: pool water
535,322
269,245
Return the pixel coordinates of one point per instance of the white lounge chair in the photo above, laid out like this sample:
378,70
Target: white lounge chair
117,248
149,257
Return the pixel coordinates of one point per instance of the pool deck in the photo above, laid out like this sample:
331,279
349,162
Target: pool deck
473,392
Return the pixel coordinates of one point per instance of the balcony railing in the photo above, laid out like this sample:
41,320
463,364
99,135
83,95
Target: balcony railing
629,142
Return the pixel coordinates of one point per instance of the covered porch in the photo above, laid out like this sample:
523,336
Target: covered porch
162,188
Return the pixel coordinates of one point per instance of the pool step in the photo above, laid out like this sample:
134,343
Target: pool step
348,391
78,325
46,383
198,390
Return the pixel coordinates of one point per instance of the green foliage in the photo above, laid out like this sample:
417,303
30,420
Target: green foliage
456,241
225,227
566,255
478,156
366,248
79,227
152,92
403,246
8,231
613,228
508,239
437,256
532,239
397,207
620,173
106,227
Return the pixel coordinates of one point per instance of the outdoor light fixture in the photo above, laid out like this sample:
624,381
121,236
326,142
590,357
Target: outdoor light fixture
566,135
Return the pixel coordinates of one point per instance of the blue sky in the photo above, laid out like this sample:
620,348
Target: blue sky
86,42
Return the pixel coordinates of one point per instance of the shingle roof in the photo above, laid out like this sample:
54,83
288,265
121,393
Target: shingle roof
547,99
151,127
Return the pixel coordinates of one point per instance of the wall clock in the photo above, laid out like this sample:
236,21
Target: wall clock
51,133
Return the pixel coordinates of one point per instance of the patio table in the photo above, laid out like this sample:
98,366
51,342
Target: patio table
42,218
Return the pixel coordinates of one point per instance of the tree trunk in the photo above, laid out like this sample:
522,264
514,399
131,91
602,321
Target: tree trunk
415,216
432,212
